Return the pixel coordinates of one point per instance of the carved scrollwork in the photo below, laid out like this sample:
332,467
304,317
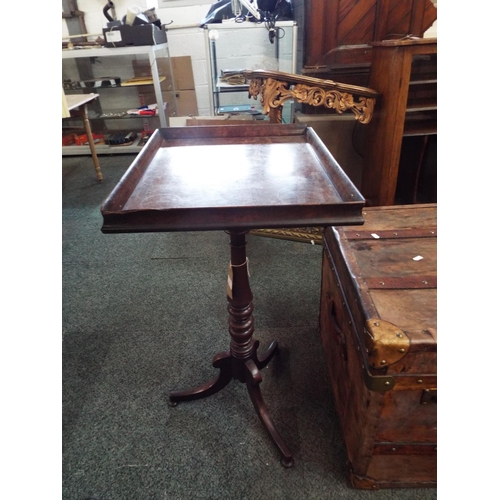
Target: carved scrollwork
309,95
276,92
273,94
363,111
255,88
304,234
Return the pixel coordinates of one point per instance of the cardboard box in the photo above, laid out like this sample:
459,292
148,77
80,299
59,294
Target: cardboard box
183,73
185,100
183,78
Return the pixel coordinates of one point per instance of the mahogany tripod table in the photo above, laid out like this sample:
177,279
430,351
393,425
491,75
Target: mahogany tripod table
233,178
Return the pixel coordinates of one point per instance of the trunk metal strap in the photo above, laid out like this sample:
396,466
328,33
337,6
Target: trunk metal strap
402,282
386,234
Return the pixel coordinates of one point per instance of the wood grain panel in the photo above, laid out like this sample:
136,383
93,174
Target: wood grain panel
344,7
354,24
409,469
404,419
430,16
362,32
334,28
398,20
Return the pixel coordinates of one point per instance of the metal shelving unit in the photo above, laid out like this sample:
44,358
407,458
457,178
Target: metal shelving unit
232,46
152,52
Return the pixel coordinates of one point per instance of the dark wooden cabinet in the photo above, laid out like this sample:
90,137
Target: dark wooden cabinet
338,33
378,44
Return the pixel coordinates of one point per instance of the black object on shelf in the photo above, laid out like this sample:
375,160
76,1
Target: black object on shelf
106,81
125,35
121,139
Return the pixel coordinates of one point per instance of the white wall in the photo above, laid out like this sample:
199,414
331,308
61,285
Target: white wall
187,41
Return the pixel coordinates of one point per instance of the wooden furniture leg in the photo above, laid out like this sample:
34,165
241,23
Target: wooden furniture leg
390,74
390,70
241,362
88,131
276,115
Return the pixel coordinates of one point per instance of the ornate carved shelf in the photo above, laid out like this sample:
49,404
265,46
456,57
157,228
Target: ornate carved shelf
275,88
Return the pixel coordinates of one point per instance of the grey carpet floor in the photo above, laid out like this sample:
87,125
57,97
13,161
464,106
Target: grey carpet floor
143,314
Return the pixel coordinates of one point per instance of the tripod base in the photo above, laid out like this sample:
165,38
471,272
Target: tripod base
248,371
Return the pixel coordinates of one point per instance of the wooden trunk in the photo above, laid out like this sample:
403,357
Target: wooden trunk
378,329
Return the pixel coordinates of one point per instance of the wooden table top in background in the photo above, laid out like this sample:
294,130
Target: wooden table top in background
76,100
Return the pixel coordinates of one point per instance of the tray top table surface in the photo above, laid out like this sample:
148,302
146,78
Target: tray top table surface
226,177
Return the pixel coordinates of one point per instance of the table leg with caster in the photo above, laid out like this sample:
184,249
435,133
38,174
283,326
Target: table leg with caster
253,379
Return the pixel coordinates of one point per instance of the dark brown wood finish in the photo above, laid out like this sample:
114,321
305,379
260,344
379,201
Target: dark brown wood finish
234,178
241,362
391,74
228,177
341,38
338,33
380,339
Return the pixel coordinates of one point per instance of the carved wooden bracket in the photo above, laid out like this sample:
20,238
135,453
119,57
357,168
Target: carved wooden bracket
275,88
